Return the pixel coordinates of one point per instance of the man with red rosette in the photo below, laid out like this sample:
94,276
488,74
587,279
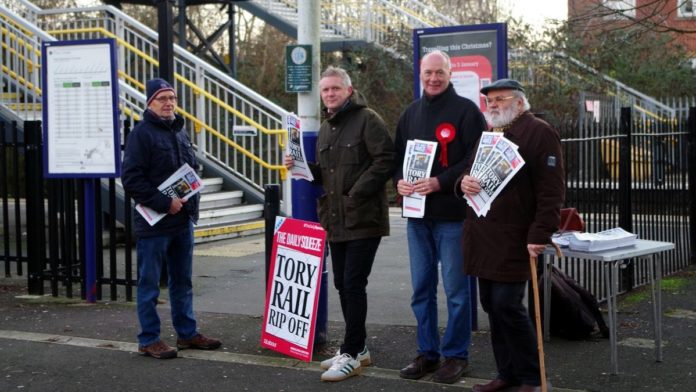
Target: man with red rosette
455,123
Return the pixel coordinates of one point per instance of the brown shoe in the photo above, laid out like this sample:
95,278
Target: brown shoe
158,350
450,370
419,368
199,342
493,386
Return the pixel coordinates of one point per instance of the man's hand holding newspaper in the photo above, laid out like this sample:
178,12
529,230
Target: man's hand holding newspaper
418,162
180,186
497,161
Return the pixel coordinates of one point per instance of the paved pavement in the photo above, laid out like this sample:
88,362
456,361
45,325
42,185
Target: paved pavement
54,344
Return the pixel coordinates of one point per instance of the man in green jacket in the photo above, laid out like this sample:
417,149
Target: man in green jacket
355,158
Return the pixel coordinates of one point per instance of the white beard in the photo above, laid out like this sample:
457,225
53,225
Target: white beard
503,118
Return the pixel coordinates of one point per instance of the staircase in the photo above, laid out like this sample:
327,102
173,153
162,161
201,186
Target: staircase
235,170
223,214
212,102
566,72
384,23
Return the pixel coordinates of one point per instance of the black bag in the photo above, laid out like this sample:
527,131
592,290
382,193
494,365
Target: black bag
575,311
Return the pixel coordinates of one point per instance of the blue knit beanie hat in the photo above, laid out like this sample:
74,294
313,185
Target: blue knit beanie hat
155,86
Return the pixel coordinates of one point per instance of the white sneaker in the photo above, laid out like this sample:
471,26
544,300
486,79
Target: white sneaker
363,357
343,367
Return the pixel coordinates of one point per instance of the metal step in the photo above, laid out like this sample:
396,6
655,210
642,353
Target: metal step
212,184
224,232
231,215
225,223
221,199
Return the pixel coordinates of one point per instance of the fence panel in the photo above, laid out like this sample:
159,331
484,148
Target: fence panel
632,173
51,213
616,175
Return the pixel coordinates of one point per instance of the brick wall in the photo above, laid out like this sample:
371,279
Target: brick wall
590,26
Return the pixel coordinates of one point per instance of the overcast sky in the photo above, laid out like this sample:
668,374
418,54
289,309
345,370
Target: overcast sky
535,11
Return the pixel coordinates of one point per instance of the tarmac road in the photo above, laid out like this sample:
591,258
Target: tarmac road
54,344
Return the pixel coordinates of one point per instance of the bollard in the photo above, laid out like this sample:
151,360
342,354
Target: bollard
271,210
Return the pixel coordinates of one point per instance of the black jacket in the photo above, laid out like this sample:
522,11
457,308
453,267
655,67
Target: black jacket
155,149
419,121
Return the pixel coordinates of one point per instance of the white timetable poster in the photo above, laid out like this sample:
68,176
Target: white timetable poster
80,109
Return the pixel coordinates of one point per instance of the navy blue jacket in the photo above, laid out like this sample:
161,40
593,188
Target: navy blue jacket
155,149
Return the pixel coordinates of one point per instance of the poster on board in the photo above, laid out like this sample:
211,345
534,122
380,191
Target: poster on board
294,282
80,109
478,54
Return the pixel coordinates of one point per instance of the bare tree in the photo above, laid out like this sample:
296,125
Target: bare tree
648,15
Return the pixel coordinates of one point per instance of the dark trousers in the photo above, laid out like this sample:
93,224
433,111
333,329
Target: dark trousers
351,262
512,333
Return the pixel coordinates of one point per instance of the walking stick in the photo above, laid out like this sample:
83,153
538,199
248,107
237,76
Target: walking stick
537,315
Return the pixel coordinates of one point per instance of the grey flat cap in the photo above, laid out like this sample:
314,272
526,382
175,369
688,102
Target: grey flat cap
502,84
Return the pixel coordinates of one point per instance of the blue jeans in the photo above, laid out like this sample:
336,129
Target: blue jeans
177,251
512,335
429,242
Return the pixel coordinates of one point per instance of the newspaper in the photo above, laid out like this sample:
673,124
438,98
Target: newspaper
183,184
607,239
295,148
496,163
418,162
488,140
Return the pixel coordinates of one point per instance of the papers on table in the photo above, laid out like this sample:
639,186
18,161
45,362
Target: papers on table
608,239
497,161
183,184
418,162
563,239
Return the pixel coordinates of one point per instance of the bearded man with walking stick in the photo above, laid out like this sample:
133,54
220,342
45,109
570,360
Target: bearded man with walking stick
519,224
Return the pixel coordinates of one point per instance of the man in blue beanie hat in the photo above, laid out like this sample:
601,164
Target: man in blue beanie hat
157,147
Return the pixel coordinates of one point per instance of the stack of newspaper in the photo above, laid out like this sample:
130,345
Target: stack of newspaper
418,162
608,239
497,161
183,184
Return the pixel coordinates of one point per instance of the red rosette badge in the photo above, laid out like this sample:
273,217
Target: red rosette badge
444,133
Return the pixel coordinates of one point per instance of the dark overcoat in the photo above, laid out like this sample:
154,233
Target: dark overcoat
355,158
527,211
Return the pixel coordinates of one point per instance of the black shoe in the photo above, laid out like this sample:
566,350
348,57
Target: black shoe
419,367
450,371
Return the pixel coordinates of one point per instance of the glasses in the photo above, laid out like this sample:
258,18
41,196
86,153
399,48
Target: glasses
166,99
498,99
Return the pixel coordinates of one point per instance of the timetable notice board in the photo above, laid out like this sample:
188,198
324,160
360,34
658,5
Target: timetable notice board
80,109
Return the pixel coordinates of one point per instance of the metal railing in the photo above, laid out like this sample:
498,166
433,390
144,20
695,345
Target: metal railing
560,69
619,173
212,102
381,22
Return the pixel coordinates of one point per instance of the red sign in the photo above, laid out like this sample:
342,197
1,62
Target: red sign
293,288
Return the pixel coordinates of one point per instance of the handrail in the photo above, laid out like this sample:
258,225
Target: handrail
178,77
199,124
178,50
212,101
618,84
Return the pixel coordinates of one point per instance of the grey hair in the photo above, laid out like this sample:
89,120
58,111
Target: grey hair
525,102
442,54
337,72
